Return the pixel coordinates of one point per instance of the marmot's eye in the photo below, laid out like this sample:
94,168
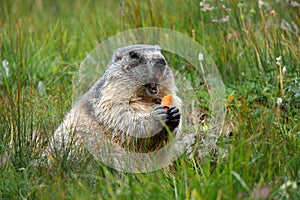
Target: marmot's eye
133,55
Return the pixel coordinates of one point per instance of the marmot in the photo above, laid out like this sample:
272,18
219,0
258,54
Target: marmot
124,105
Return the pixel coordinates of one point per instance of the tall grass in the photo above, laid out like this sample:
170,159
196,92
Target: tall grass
43,42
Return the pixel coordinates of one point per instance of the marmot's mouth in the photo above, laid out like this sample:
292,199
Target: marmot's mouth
152,89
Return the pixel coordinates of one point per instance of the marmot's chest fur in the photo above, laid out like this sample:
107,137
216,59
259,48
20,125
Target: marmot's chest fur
124,105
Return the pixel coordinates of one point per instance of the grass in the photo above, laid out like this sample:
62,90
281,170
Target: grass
43,42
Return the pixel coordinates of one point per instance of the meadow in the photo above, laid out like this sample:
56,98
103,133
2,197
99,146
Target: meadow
255,45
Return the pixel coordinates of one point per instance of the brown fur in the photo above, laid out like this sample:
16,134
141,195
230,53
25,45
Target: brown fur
118,104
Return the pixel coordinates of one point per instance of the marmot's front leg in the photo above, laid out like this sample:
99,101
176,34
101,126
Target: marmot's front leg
142,125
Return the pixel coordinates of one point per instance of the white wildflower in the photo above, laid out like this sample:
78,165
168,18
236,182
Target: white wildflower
279,101
225,8
278,59
200,57
260,3
284,69
287,184
243,73
295,4
5,63
225,19
283,186
206,7
5,66
222,20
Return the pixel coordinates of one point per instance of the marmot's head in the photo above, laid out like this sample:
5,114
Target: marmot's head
139,65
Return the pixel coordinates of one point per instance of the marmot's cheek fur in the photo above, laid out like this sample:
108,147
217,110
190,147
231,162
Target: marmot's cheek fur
118,105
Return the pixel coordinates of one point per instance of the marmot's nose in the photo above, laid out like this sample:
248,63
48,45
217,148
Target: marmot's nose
160,61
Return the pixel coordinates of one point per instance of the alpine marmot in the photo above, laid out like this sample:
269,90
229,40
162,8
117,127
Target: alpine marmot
124,104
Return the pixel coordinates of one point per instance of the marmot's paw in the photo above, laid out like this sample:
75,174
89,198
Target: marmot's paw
173,117
159,114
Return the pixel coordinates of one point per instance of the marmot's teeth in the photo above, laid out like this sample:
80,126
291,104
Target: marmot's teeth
152,85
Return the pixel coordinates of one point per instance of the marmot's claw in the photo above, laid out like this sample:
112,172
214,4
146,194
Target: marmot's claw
159,113
173,110
173,117
158,107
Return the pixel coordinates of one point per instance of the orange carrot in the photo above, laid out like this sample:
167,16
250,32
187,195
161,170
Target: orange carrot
166,101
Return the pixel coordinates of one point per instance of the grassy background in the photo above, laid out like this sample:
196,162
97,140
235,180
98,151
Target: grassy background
43,42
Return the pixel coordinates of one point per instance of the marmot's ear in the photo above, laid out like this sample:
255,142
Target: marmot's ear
117,56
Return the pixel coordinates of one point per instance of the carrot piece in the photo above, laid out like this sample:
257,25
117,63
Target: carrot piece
166,101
